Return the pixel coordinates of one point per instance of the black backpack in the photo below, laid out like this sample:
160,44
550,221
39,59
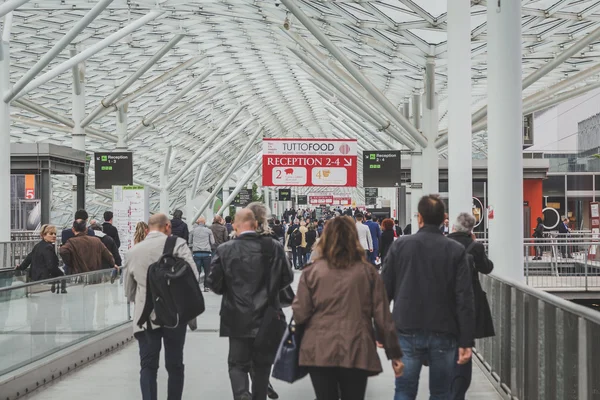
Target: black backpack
172,291
296,238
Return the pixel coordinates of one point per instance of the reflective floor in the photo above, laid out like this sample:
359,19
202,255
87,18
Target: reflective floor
117,376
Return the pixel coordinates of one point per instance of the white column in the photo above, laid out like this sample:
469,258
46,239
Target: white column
225,196
266,197
78,133
416,191
164,180
122,128
4,145
460,180
430,128
505,159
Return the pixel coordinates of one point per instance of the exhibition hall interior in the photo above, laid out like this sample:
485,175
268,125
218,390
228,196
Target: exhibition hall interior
319,109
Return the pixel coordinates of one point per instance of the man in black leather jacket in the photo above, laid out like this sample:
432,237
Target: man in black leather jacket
427,277
238,273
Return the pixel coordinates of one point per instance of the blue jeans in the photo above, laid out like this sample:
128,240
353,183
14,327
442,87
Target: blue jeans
202,260
439,350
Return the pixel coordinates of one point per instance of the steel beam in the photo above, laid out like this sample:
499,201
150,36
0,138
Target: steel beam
355,72
108,100
228,173
363,125
351,96
87,53
57,48
5,198
199,153
10,5
200,172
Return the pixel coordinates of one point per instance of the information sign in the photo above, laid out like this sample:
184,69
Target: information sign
309,162
371,196
316,200
285,195
382,168
302,200
112,169
130,206
243,198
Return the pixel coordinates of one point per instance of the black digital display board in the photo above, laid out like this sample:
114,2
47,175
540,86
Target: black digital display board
302,200
113,169
382,168
285,195
371,196
243,198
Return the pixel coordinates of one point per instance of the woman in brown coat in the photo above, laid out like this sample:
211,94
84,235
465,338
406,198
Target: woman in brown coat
339,296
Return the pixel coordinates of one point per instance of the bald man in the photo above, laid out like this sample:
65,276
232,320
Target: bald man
238,272
137,262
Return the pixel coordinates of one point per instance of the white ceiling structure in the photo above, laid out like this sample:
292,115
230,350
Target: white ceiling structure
238,53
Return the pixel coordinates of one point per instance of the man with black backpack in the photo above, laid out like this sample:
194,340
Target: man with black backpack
249,272
162,281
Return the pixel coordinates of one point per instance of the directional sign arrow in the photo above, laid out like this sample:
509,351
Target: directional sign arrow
347,162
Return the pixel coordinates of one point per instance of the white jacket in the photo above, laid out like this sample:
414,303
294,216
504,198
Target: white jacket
364,236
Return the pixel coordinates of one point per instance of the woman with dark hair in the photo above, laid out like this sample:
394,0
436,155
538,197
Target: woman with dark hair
339,297
538,233
387,237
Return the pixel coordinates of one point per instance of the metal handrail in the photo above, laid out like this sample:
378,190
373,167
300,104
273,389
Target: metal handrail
58,279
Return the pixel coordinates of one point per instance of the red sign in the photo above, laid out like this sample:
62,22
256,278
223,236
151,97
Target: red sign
309,162
316,200
342,201
29,187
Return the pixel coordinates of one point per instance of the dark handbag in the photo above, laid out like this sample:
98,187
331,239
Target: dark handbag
484,324
273,325
286,297
287,362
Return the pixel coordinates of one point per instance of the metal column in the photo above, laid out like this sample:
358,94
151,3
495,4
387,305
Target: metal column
416,185
46,194
5,136
226,193
164,178
430,126
505,162
122,128
78,133
460,169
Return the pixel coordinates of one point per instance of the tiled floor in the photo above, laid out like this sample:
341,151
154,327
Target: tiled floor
116,377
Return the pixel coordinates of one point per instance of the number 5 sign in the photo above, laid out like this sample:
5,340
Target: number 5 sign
309,162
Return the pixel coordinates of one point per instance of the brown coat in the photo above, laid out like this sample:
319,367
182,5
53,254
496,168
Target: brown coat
338,307
83,253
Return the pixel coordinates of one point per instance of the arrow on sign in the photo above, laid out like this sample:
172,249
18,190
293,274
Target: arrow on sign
347,162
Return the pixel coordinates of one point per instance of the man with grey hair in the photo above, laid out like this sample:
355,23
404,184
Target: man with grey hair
462,232
202,242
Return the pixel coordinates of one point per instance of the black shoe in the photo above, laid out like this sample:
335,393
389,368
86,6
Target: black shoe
64,291
112,279
271,393
53,288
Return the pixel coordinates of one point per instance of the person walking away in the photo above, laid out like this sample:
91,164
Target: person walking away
238,273
302,248
294,242
43,261
311,239
202,242
428,278
279,231
375,230
150,341
84,253
462,232
538,233
339,297
109,229
112,247
228,225
408,229
387,237
219,231
397,228
178,226
141,231
563,231
364,235
67,234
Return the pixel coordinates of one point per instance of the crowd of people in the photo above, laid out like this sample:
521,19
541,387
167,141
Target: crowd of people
354,265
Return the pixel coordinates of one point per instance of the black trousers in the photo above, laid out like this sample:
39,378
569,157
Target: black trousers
330,382
243,357
150,343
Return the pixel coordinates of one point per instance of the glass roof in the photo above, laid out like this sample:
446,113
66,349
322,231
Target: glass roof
244,42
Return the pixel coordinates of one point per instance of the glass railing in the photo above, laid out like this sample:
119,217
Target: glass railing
37,319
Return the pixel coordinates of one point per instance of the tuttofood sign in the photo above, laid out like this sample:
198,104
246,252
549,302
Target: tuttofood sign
309,162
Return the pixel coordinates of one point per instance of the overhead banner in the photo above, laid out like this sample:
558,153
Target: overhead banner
309,162
317,200
302,200
382,168
342,201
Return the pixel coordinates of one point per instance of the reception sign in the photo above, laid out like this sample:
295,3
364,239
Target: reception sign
309,162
